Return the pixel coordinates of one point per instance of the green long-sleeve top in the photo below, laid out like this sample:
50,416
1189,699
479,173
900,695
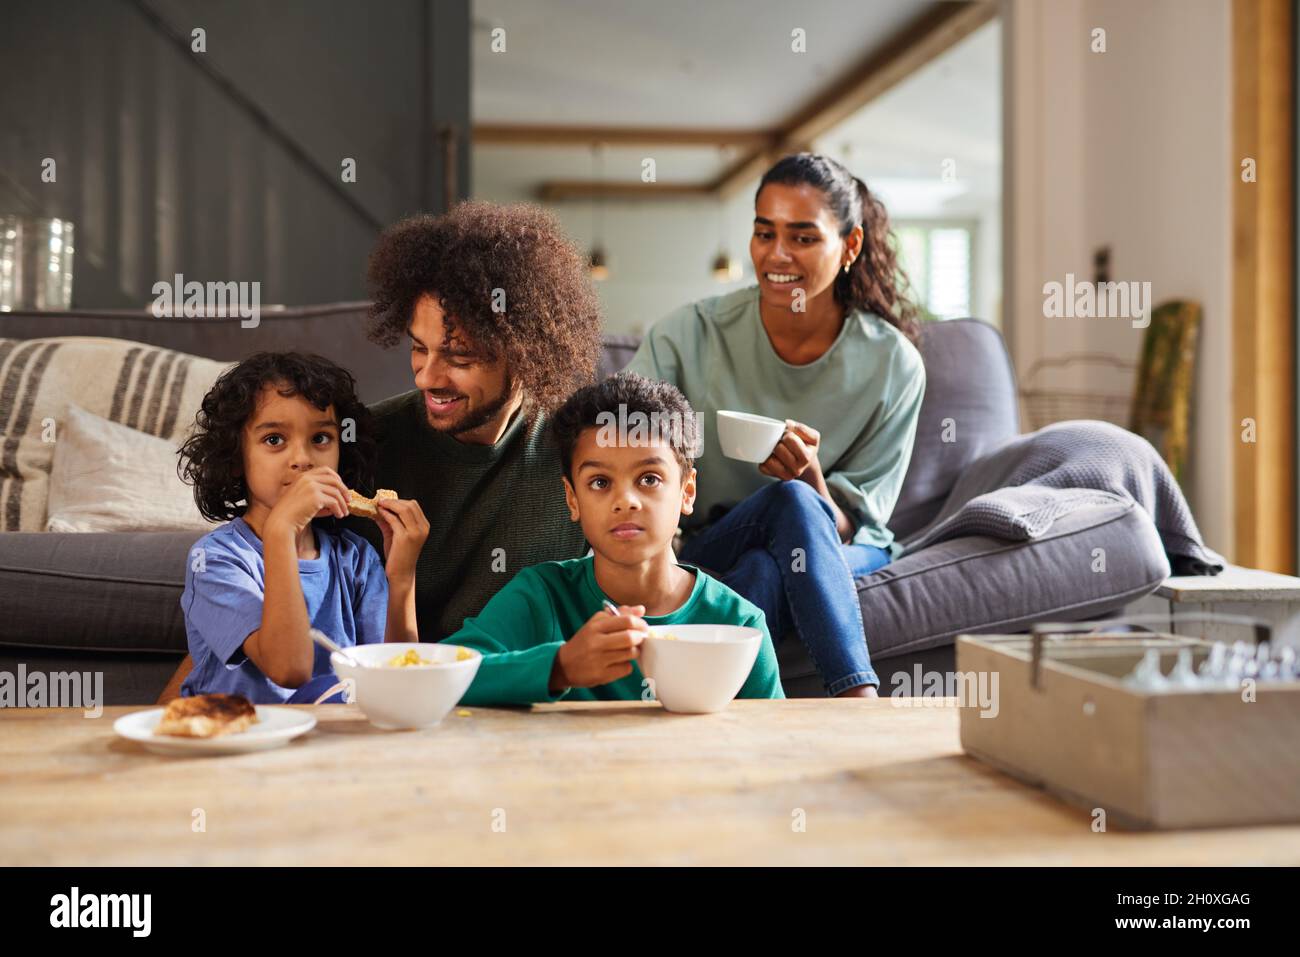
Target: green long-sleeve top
524,624
863,395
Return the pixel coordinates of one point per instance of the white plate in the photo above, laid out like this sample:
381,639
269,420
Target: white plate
275,727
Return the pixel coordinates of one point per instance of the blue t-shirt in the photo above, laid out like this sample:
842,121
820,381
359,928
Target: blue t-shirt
345,588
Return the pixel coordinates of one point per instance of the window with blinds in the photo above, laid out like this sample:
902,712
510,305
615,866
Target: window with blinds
937,258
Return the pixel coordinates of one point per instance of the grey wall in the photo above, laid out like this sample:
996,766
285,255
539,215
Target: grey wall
232,174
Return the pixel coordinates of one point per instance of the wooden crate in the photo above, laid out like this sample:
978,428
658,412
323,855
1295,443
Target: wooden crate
1176,759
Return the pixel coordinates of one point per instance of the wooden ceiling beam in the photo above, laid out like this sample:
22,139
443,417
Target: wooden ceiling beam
556,190
931,34
490,134
935,31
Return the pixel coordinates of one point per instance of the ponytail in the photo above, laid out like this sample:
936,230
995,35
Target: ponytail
876,282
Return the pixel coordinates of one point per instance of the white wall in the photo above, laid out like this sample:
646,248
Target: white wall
661,253
1129,148
988,267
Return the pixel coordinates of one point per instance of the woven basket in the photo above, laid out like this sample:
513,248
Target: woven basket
1045,405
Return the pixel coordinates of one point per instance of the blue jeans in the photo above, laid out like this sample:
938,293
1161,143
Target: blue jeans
780,550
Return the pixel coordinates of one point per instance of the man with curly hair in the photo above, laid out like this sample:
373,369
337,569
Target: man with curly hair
503,325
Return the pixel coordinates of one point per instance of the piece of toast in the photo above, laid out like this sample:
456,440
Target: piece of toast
365,507
206,716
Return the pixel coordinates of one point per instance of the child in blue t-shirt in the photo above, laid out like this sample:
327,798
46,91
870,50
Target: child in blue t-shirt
279,440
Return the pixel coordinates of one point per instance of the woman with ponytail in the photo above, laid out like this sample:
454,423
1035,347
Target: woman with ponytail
825,342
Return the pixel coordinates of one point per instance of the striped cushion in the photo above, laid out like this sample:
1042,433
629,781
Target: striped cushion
157,391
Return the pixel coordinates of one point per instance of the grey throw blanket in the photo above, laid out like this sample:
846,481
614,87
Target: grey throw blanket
1018,491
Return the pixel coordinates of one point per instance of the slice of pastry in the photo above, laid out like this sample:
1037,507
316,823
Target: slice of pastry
206,716
360,505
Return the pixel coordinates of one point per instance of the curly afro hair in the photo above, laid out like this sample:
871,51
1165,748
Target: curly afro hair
548,332
656,410
212,457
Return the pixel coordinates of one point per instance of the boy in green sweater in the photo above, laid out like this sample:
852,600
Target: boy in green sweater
625,446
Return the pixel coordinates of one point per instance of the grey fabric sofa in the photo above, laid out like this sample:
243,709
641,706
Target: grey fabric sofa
914,608
110,602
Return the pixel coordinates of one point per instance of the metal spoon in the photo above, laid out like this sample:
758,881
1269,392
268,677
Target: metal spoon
325,642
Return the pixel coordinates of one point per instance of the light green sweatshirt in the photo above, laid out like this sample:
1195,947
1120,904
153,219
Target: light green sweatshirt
863,395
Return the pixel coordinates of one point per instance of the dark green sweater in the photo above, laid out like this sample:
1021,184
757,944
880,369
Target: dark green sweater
492,510
525,624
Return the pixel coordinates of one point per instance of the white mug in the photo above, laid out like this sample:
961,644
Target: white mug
748,437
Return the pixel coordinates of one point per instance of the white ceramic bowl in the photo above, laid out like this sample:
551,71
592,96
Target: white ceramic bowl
702,668
413,697
748,437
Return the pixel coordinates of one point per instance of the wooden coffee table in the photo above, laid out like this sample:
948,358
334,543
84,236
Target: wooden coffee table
620,783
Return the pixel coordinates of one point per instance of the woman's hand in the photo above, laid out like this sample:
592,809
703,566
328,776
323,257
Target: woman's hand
405,529
795,456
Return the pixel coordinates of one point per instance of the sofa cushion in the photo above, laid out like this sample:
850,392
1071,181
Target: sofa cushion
336,330
1094,560
129,678
108,478
615,353
970,408
156,391
108,591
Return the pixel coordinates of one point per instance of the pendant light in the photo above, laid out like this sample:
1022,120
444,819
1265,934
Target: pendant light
724,268
597,263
